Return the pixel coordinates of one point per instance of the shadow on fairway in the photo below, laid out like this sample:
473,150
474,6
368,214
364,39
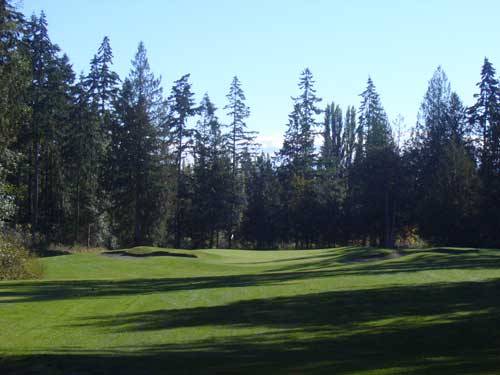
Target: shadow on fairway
409,261
435,329
328,266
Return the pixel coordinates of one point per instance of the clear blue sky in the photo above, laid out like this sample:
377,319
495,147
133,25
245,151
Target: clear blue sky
268,43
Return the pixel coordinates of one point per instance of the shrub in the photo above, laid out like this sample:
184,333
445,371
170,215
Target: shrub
16,262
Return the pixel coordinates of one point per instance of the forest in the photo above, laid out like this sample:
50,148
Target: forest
107,161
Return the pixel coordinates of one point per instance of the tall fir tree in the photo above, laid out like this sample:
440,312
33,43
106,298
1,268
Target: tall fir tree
440,139
241,143
137,142
14,82
50,103
181,108
261,217
374,171
484,117
297,170
82,150
211,178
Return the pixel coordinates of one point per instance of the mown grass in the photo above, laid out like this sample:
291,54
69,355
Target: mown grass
335,311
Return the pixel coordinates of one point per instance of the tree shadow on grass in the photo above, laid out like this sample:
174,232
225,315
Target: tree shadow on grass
409,261
435,329
346,310
12,292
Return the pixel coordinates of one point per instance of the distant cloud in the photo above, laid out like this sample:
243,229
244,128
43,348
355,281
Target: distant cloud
270,143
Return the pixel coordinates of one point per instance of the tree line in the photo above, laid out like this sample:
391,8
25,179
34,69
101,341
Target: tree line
107,161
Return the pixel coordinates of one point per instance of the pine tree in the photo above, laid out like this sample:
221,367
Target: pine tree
50,102
101,88
306,112
14,82
297,170
181,105
298,150
349,138
331,191
332,148
484,117
14,75
102,82
41,53
374,171
439,139
260,224
241,142
211,178
137,166
82,151
451,200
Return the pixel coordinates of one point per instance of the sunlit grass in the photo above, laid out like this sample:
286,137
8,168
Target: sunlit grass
343,311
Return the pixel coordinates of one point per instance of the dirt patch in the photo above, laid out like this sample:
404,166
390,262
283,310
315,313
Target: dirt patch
124,254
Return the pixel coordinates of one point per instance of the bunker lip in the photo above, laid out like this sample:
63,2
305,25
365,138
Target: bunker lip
127,255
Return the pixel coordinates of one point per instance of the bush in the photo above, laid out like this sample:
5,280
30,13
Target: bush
16,262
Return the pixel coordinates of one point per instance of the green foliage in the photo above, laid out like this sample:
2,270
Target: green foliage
298,152
212,188
16,262
446,184
137,160
241,146
484,117
261,218
181,108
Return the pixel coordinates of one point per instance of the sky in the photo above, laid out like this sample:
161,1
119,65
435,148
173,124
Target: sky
267,44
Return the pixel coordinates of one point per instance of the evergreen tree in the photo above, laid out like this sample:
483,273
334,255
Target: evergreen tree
41,54
14,82
50,102
451,200
298,146
181,105
14,75
439,139
137,170
330,174
484,117
211,178
101,86
349,138
241,142
260,225
298,159
102,82
82,151
374,171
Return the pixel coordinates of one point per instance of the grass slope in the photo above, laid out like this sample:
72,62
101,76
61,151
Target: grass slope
335,311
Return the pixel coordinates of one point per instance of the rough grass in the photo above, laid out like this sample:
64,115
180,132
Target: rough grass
336,311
